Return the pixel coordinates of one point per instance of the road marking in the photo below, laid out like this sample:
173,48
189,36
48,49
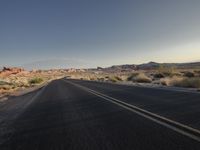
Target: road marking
176,126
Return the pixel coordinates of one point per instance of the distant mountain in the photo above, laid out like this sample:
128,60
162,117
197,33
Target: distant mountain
65,64
122,68
55,64
154,65
150,66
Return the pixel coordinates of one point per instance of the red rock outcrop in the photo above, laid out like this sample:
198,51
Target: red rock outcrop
7,71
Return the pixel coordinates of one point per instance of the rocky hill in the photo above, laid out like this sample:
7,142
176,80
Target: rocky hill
7,71
149,66
154,65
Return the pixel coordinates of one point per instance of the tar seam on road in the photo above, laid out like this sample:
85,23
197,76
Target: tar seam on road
173,125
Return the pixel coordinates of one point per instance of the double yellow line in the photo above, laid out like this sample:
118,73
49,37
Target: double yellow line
173,125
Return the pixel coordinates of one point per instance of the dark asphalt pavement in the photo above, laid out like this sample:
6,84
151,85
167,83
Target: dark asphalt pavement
183,107
62,116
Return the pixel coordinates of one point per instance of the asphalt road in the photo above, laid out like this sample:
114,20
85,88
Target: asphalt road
80,115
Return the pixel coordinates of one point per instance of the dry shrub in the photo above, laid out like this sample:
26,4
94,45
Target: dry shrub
167,71
182,82
189,74
165,81
139,77
133,75
91,79
197,73
36,80
118,78
158,75
188,82
7,86
114,79
170,81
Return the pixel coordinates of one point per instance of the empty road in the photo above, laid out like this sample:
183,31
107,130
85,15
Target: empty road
83,115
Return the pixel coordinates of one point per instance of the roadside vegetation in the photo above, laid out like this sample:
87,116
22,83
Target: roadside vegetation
161,76
193,82
14,80
139,77
114,79
36,80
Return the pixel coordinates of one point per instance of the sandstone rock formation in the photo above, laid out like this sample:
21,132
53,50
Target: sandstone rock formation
7,71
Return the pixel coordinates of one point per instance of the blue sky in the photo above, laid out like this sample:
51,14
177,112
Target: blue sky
90,33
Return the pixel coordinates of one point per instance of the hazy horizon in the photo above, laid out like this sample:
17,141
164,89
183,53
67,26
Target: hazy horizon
68,64
84,34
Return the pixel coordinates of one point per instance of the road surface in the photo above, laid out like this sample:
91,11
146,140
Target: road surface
82,115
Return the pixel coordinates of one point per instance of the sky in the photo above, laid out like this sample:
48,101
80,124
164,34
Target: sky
90,33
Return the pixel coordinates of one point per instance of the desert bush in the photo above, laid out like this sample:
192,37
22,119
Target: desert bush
92,78
7,87
139,77
36,80
115,79
189,74
142,78
118,78
133,75
187,82
167,71
197,73
158,75
112,79
169,81
163,82
106,77
3,83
